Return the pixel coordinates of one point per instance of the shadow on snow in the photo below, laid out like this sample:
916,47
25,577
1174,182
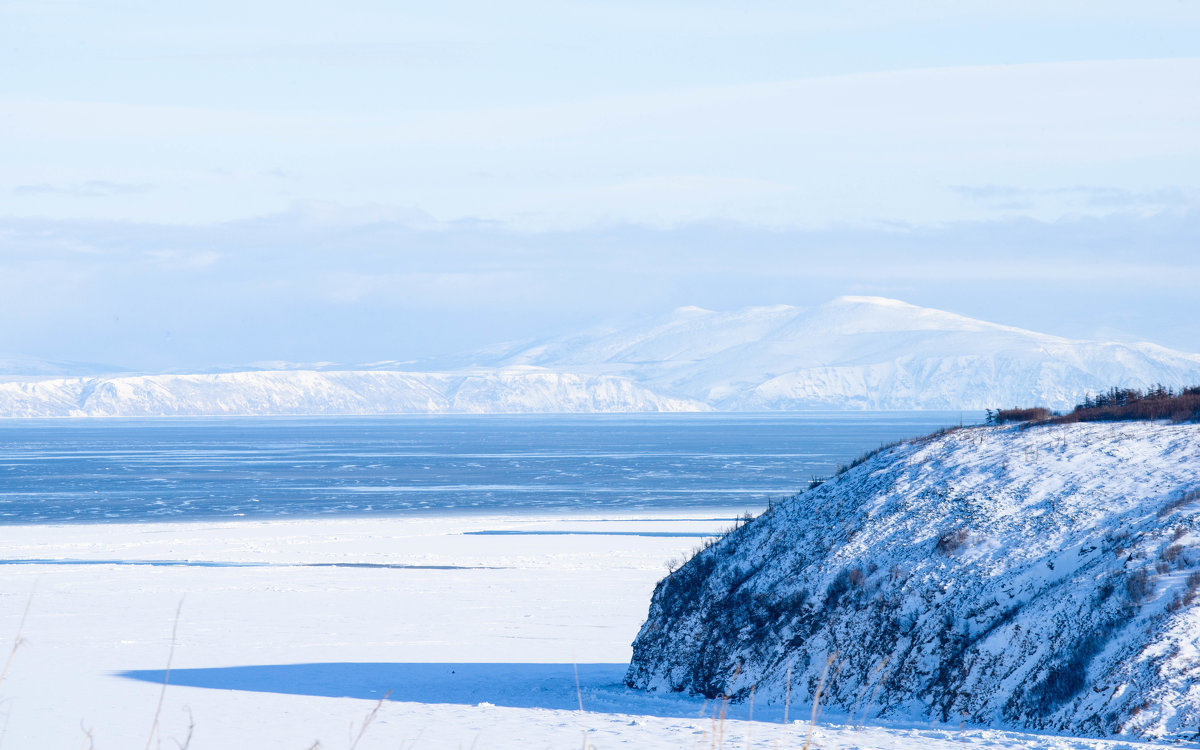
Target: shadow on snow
225,564
546,686
521,532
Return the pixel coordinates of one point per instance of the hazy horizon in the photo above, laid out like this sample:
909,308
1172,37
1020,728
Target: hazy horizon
488,354
382,181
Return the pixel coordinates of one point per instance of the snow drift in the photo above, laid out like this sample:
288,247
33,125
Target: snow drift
1046,578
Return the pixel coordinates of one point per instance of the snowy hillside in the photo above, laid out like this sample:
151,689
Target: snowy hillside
1046,578
856,353
510,390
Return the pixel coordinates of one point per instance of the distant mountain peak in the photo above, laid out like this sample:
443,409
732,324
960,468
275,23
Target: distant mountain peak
855,351
869,300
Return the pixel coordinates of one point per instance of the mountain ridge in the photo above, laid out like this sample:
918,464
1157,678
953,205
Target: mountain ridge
854,352
859,352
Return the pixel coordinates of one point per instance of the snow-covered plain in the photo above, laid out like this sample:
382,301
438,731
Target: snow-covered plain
289,632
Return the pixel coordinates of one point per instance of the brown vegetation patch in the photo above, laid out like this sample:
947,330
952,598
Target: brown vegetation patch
1117,404
952,541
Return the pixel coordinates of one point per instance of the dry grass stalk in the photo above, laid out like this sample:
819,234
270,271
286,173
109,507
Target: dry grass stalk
719,724
750,724
874,693
166,678
719,729
875,671
787,694
18,640
579,696
367,721
187,741
812,723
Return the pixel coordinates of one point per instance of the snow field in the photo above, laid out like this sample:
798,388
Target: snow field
478,638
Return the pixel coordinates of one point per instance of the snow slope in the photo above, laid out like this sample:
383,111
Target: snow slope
857,353
303,392
1046,578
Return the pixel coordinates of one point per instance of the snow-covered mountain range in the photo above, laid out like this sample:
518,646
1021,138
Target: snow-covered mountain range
1045,578
857,353
309,392
851,353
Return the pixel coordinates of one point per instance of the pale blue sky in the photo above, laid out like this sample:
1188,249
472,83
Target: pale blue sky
183,185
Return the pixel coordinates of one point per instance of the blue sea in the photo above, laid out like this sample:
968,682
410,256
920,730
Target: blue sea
97,471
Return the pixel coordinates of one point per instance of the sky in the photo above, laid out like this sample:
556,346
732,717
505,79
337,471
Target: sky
212,184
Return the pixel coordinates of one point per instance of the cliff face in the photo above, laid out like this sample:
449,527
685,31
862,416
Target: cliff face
1046,578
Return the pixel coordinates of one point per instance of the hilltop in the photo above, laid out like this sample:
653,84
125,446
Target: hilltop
1045,578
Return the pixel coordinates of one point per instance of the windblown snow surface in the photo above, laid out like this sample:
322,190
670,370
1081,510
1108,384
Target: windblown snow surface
1045,578
306,392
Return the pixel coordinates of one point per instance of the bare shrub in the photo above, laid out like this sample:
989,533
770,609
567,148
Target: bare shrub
1193,588
1006,416
1185,498
1139,586
952,541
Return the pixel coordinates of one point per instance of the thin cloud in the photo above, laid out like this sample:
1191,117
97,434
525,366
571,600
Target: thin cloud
320,283
858,147
88,189
1094,196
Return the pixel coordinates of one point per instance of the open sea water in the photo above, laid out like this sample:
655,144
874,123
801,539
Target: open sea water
96,471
